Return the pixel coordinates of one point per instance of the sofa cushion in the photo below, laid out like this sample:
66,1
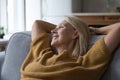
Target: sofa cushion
16,51
113,70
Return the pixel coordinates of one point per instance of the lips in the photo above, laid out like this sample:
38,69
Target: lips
54,36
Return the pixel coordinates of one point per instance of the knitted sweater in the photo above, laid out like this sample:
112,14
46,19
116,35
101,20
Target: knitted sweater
43,64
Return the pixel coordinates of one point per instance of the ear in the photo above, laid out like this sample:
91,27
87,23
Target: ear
76,34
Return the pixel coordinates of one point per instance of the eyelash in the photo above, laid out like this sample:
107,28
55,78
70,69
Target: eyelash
61,27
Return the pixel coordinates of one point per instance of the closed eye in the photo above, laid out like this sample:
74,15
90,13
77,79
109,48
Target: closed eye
61,27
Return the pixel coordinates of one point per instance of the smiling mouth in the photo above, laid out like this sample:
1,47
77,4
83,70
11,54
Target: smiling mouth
54,36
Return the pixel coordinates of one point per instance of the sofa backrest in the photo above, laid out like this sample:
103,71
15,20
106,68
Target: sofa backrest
16,52
113,70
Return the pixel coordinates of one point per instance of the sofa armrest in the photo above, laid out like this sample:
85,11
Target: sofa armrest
2,56
16,51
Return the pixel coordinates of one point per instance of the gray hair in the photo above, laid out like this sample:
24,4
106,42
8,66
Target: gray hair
81,44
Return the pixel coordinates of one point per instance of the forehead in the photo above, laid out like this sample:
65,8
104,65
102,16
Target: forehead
65,23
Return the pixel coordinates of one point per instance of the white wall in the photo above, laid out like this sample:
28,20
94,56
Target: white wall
55,10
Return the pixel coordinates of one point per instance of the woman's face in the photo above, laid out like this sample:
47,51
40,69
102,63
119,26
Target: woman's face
63,34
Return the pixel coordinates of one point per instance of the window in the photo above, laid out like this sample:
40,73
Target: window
3,10
19,15
16,21
33,12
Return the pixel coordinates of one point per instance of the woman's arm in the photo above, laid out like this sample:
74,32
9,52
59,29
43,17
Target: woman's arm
40,26
112,38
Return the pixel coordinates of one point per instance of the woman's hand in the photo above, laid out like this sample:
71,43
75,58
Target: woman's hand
94,31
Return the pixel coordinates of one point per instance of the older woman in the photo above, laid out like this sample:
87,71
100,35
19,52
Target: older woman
73,60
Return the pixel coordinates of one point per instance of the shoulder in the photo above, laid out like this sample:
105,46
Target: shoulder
99,46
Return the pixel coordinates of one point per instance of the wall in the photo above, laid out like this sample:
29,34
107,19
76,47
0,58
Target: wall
100,5
94,5
55,10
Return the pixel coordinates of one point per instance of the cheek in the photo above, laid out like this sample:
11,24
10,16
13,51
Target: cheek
65,37
64,33
67,34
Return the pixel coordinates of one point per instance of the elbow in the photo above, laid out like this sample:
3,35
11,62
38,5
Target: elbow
119,26
36,24
115,27
37,21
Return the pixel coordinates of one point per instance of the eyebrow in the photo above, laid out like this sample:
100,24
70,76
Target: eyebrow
61,25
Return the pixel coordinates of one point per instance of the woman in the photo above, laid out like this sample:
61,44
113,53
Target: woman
73,60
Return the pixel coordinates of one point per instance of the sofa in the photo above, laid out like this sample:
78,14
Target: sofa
18,47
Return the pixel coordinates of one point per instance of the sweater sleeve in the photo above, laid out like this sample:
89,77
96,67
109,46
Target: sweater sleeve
98,55
40,44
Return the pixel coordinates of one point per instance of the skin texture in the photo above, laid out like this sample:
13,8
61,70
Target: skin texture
64,37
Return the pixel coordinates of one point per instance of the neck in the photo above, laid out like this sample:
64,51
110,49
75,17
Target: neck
69,47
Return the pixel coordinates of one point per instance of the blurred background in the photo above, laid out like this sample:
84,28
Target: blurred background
19,15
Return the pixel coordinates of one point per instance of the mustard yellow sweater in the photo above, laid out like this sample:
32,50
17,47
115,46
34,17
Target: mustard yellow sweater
43,64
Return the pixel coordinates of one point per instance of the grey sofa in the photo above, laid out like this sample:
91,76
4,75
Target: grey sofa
18,47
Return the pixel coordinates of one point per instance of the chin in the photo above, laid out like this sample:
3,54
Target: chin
53,44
